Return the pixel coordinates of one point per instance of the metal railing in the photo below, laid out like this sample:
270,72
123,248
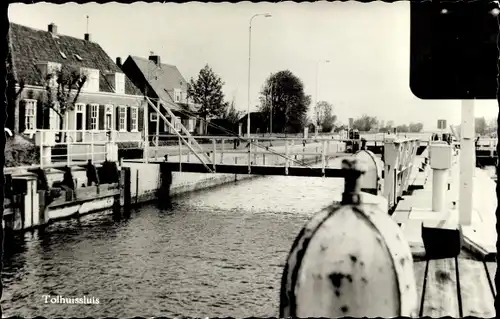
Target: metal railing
399,156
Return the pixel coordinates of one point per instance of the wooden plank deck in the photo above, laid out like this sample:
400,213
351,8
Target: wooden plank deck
455,287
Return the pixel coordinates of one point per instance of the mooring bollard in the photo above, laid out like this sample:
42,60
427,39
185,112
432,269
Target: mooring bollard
163,194
349,260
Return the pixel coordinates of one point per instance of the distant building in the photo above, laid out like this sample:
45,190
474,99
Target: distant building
259,123
162,81
108,100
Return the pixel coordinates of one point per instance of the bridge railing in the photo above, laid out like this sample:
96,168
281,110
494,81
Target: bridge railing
399,158
75,146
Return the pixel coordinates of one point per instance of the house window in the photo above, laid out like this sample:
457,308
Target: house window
94,116
123,118
120,83
134,114
108,117
153,117
30,115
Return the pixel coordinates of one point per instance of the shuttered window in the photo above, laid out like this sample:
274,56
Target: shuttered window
134,119
30,115
122,122
94,116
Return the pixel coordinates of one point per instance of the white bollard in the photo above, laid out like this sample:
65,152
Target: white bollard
439,188
441,157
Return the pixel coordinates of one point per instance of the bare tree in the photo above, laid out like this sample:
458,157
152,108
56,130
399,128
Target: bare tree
62,89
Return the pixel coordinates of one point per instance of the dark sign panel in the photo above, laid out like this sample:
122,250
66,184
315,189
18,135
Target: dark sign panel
454,52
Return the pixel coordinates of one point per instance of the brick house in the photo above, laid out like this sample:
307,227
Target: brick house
162,81
108,99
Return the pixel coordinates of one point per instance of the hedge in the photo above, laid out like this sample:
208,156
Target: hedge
19,152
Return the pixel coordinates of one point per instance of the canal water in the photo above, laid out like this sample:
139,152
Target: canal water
218,252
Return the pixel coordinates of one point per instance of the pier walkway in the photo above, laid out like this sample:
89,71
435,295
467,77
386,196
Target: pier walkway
464,285
415,208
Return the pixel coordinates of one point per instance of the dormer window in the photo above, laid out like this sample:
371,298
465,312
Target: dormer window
116,81
63,55
92,82
177,95
79,58
120,83
49,69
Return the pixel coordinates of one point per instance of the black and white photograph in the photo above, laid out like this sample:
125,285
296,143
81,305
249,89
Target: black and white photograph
252,159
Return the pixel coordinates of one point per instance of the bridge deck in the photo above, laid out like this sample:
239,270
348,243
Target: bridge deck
254,169
456,287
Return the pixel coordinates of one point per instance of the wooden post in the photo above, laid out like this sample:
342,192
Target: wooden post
136,186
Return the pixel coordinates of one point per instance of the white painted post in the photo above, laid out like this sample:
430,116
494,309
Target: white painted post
214,154
146,133
42,158
255,149
327,152
157,130
441,160
180,155
92,146
323,159
222,151
467,159
439,187
68,152
390,162
286,157
249,155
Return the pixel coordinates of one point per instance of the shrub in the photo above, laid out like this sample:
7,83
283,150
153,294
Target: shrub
20,152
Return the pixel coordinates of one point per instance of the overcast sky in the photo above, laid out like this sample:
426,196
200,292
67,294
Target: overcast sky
367,45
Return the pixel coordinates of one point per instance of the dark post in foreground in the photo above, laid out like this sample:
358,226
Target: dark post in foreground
349,260
163,196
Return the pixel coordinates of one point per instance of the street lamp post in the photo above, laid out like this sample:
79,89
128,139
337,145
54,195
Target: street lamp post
316,111
267,15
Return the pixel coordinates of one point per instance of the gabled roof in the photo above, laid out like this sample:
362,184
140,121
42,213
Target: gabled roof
31,46
255,116
163,79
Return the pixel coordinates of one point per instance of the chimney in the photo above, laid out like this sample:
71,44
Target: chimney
119,62
87,37
53,28
155,59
